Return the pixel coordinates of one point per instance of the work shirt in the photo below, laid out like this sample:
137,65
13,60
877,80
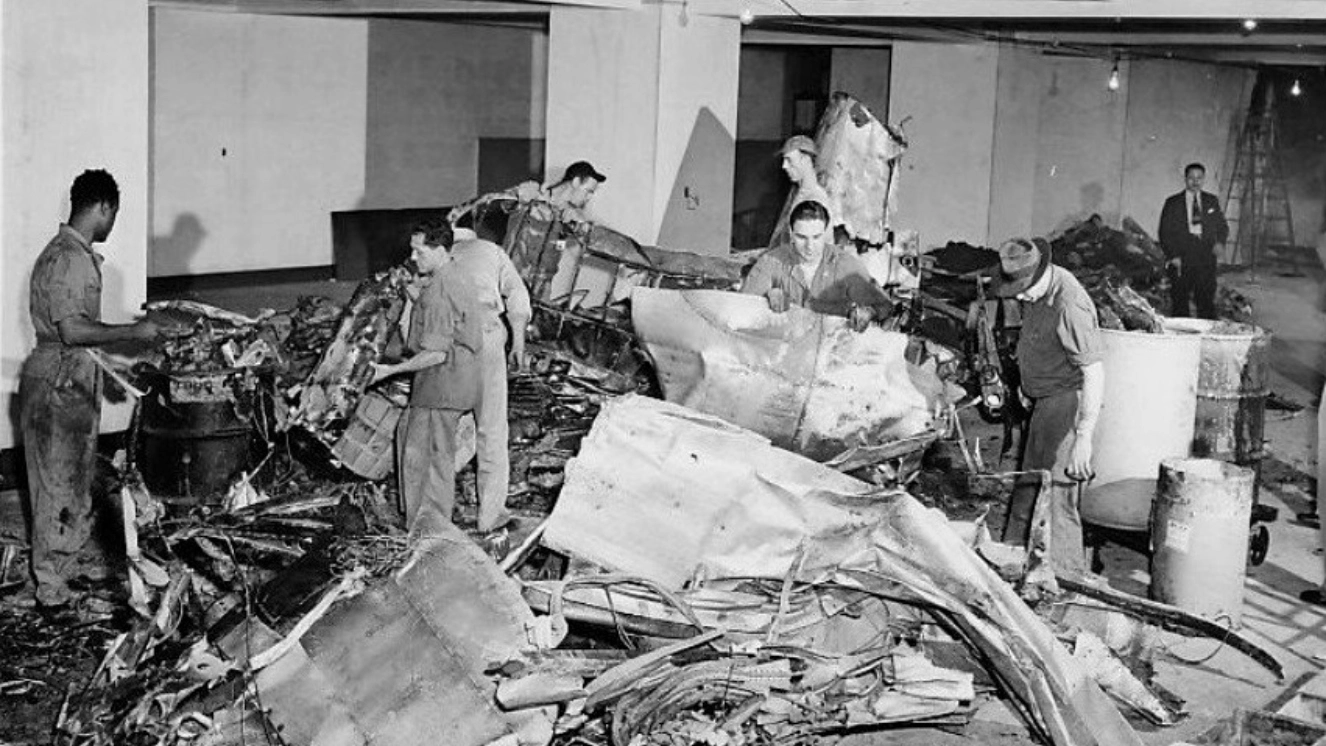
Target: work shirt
840,282
66,283
1059,337
544,204
459,312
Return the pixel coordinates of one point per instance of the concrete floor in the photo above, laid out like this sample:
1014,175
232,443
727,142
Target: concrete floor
1213,679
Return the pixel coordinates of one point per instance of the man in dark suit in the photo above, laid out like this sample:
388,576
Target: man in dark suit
1191,227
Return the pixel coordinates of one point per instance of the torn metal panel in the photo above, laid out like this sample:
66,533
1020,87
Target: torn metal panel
858,167
667,493
333,389
404,662
804,380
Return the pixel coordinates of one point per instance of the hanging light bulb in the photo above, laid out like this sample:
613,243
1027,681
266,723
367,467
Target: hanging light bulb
1113,83
747,16
1295,89
1249,24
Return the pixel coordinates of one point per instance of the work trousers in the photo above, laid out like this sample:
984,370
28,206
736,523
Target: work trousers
1196,280
426,443
1049,443
59,424
1321,483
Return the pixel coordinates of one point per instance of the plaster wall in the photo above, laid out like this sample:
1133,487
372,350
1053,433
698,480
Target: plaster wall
259,132
1079,164
948,91
1021,81
603,107
696,142
435,88
651,101
67,107
864,73
1179,113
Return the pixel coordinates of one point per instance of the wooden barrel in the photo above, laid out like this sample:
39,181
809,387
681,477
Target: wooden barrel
1199,536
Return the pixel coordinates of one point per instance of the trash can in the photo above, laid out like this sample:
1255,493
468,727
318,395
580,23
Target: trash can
1199,537
1147,415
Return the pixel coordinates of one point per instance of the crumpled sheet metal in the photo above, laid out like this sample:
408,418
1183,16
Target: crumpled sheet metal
668,494
403,662
858,162
804,380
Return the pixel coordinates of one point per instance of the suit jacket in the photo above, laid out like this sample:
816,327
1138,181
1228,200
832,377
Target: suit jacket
1175,240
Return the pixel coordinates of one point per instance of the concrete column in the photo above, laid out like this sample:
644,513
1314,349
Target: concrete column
649,96
75,96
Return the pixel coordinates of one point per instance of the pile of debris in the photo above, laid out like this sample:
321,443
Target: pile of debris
777,602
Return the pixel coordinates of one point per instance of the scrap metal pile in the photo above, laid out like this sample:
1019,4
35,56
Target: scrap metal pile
755,595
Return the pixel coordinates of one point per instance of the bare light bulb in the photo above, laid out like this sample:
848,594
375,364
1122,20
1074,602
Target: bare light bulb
1113,83
1295,89
1249,24
746,17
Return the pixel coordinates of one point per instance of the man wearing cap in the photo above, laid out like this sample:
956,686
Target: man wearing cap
798,156
1059,358
568,199
1191,228
816,274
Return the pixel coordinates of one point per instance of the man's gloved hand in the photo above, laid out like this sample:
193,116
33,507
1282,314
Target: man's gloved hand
860,317
777,300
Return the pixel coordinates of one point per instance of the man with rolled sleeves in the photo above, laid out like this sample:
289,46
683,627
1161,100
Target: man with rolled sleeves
1059,357
458,337
814,273
60,386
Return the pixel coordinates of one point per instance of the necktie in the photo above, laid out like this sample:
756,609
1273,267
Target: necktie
1196,209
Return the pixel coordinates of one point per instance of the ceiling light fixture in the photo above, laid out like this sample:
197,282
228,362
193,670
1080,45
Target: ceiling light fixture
1249,24
747,16
1295,89
1113,83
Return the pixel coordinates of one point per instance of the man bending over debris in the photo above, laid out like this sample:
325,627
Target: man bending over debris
816,274
567,200
60,387
459,364
1059,355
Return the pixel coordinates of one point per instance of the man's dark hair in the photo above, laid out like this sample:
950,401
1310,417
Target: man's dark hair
809,210
91,188
1191,166
582,170
436,231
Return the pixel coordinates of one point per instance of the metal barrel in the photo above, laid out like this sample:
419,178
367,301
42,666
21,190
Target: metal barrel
1147,415
1199,536
196,436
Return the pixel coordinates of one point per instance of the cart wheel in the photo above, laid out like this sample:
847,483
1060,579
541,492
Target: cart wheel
1259,541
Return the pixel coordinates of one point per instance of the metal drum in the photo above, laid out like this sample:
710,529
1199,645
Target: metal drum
1231,390
196,436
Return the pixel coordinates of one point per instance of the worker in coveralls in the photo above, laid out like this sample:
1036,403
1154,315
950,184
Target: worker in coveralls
458,339
60,388
816,274
798,161
566,201
1059,357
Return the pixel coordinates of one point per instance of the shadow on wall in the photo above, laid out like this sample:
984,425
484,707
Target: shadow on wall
1092,196
177,248
699,211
